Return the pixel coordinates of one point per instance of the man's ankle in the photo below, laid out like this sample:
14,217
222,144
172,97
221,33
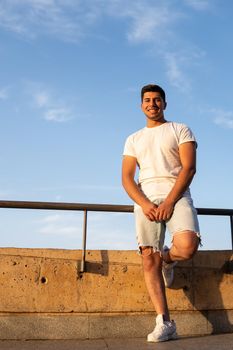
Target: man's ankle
166,256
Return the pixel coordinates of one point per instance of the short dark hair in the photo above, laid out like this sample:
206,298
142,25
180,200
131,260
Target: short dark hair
153,88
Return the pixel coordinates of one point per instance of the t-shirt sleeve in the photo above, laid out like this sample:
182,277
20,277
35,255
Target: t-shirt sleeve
186,135
129,149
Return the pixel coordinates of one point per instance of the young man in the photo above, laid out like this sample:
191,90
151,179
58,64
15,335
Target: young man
165,153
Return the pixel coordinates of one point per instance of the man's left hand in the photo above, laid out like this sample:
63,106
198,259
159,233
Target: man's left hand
164,211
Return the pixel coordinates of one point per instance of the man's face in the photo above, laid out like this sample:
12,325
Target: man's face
153,106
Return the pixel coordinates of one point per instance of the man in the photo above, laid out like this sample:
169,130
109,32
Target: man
165,153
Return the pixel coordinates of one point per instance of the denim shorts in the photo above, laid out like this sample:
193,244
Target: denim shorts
152,233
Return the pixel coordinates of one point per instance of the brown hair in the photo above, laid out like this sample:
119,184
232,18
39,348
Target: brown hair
153,88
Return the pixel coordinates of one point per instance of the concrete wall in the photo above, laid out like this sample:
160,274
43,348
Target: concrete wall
43,296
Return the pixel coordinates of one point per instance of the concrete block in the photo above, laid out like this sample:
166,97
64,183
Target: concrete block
220,321
43,295
204,259
43,326
212,289
191,322
121,326
97,326
28,284
180,296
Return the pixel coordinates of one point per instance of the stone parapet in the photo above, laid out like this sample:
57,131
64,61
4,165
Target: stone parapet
43,295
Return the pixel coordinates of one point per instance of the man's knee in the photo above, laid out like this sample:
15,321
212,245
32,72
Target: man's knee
187,251
151,258
186,245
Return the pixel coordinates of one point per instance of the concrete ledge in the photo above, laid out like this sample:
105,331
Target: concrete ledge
98,326
31,326
43,296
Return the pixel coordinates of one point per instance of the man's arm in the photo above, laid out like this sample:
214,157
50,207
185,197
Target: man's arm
187,153
129,165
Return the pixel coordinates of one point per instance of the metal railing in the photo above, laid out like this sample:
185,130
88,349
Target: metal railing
85,207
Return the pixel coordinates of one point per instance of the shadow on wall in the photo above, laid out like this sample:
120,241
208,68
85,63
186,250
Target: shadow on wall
99,268
208,287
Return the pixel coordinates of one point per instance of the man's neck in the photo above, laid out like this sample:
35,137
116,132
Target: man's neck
154,123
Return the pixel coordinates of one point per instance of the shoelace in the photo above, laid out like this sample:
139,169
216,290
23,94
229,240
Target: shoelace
160,328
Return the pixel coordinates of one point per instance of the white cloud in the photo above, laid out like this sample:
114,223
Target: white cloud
67,20
104,229
51,218
154,23
60,225
42,99
148,25
175,74
10,20
71,20
147,21
178,64
222,117
52,108
58,114
199,5
3,93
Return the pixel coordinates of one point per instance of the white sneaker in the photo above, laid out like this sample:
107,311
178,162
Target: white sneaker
164,330
168,271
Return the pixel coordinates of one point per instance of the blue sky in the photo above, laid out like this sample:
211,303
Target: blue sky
71,74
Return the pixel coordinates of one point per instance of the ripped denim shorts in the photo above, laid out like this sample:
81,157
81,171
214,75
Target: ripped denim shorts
152,233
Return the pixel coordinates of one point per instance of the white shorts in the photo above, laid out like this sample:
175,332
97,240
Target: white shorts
152,233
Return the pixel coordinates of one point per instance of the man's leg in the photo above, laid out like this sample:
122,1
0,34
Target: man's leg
150,237
184,246
152,267
184,227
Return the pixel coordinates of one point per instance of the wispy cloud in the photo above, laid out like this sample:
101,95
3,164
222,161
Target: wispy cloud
222,117
147,22
60,225
71,19
53,109
42,99
177,65
3,93
42,17
175,73
58,114
104,230
154,24
68,20
199,5
150,23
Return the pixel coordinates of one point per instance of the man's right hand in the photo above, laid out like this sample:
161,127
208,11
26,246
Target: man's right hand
149,209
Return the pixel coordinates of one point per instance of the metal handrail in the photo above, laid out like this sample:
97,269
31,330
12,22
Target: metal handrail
85,207
65,206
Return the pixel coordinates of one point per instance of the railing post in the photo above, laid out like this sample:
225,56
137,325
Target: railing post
82,268
231,220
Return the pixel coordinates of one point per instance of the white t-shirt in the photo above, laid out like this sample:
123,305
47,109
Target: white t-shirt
157,153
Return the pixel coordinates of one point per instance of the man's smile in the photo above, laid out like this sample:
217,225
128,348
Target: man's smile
153,109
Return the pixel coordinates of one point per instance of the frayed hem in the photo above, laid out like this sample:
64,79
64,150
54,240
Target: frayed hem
152,251
197,234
